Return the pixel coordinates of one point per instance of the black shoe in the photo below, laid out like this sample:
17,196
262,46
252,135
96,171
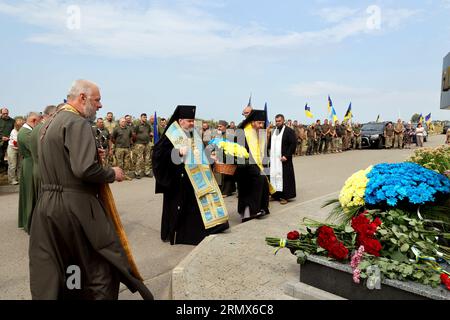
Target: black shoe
138,176
248,219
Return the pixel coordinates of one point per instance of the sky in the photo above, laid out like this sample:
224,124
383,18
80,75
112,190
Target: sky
383,56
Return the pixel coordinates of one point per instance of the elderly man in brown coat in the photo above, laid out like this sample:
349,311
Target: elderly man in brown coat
74,251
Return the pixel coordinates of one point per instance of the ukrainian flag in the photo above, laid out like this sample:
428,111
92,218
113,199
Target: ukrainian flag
421,118
334,115
348,114
428,118
308,112
330,105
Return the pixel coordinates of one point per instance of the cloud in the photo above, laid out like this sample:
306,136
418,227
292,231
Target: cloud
129,29
324,88
336,14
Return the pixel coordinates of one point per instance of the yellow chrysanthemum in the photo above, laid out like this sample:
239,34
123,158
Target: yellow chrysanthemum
234,149
352,194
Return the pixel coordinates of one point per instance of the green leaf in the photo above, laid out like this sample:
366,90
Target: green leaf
349,229
364,264
398,256
382,232
404,228
408,270
394,241
320,249
404,248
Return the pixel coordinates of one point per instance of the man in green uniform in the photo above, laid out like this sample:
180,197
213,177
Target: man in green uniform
349,135
326,137
72,236
103,138
162,126
398,134
301,130
6,126
318,137
311,136
389,135
121,137
345,142
110,125
332,138
34,145
357,137
27,199
338,136
142,132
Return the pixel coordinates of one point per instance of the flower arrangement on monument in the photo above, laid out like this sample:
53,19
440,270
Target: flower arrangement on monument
395,217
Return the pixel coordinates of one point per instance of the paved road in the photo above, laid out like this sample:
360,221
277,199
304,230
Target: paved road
141,209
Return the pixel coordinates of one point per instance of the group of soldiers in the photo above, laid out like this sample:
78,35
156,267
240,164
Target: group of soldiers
328,137
128,145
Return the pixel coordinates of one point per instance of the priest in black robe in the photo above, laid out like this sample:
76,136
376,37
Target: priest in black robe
182,221
283,143
253,185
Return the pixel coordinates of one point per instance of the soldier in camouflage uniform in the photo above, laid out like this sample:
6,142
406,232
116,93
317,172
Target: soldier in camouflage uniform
311,136
318,136
344,136
104,140
141,150
389,135
132,158
110,125
398,134
301,138
349,135
332,138
338,136
326,138
122,137
357,136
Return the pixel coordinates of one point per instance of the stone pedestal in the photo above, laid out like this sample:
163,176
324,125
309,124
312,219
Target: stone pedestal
336,278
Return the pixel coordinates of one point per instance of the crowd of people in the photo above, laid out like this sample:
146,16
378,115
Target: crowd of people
66,162
66,159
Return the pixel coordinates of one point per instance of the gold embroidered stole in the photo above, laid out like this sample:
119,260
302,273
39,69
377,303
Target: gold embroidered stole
207,192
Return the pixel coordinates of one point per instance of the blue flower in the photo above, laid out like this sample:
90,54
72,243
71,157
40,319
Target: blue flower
390,183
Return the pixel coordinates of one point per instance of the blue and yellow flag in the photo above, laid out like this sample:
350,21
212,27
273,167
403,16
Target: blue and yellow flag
330,105
348,114
155,129
420,118
334,116
428,118
267,115
308,112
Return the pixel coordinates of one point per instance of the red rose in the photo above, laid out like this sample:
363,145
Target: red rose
360,223
15,143
338,251
371,246
445,280
293,235
377,221
325,237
